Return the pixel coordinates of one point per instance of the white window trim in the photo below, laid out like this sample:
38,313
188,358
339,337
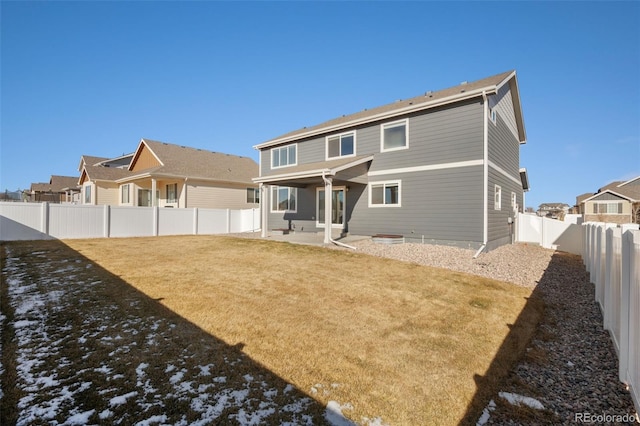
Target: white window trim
608,202
92,194
339,135
278,149
318,207
274,204
384,184
384,126
256,195
497,197
128,186
166,190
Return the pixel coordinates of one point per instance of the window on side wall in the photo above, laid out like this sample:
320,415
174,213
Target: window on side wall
172,193
341,145
497,198
283,199
385,194
284,156
124,198
87,194
395,136
253,195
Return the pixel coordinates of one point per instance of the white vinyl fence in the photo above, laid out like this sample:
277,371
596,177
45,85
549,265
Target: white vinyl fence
550,233
37,221
612,258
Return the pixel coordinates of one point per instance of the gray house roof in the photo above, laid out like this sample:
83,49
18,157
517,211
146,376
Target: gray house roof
185,162
489,85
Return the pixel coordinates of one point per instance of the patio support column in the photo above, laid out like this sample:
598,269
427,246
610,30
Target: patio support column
263,209
154,199
328,192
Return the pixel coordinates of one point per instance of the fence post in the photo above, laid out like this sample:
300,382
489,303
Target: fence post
44,219
228,221
156,213
195,221
106,221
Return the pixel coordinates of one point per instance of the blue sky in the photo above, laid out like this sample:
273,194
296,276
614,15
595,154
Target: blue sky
95,77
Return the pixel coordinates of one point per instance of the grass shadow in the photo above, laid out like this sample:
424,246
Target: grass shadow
84,344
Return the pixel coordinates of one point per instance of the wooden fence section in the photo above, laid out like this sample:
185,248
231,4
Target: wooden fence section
37,221
612,258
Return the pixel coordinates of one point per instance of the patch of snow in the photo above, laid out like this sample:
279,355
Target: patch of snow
80,418
289,388
515,399
221,379
177,377
333,414
486,413
105,414
122,399
153,420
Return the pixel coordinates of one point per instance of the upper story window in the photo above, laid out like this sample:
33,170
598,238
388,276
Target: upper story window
343,145
284,156
395,136
493,115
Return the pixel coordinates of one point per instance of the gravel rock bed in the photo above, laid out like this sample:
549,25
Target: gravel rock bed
520,264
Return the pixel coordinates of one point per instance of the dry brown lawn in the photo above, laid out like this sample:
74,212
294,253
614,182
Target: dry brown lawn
396,341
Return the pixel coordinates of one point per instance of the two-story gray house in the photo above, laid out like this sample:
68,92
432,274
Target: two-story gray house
442,167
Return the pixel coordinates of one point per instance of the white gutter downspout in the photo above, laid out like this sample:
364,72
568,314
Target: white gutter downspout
327,214
485,179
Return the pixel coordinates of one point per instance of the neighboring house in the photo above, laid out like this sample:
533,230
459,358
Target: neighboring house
60,189
168,175
579,207
443,166
617,202
553,210
98,176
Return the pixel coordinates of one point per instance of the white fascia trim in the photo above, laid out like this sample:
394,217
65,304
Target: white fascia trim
505,81
351,164
426,168
299,175
609,201
629,181
142,141
312,173
381,116
503,172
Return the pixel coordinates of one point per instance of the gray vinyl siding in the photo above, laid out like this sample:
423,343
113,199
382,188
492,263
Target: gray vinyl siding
504,148
440,206
499,230
443,135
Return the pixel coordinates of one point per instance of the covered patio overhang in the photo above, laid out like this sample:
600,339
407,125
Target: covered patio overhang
353,169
